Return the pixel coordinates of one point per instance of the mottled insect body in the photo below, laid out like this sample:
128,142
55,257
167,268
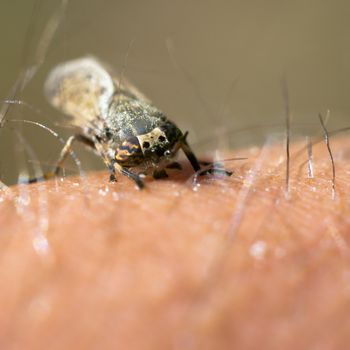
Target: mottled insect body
114,119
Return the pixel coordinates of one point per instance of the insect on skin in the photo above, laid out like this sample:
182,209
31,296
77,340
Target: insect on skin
116,121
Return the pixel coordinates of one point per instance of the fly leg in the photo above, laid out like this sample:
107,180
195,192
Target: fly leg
66,150
189,154
94,144
110,163
174,165
160,174
136,178
214,168
114,166
112,177
209,168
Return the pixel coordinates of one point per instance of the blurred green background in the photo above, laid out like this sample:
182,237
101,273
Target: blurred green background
233,56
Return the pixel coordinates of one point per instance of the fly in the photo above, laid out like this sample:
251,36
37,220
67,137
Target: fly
116,121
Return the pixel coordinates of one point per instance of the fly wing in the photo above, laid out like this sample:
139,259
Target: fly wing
82,89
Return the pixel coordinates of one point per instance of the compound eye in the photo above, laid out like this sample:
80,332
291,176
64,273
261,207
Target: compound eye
145,144
161,138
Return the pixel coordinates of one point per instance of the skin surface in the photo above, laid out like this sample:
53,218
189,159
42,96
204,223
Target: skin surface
234,263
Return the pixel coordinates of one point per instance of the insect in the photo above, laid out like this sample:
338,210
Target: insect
116,121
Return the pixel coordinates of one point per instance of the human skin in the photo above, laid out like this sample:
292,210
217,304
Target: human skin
235,263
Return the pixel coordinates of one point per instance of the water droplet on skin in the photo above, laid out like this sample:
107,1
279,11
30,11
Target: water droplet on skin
76,184
196,187
258,250
103,191
23,200
40,244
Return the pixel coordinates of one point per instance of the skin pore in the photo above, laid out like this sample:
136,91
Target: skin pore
235,262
